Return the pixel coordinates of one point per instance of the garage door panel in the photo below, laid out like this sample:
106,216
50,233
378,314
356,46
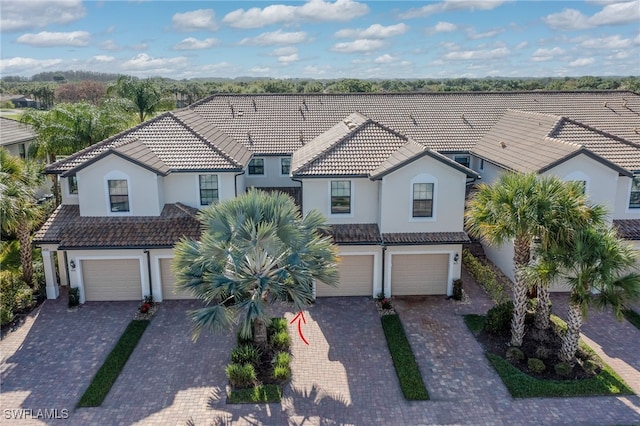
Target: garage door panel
355,278
169,291
419,274
111,280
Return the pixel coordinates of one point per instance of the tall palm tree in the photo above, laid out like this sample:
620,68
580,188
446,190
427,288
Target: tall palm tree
595,264
144,97
255,249
18,208
522,208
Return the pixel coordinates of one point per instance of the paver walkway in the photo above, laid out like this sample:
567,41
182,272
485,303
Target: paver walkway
345,375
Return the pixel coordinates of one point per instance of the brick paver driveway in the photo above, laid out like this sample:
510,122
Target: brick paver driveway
345,375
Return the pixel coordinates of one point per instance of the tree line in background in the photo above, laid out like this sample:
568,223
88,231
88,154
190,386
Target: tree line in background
50,88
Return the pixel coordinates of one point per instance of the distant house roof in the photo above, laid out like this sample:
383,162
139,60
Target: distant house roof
69,230
12,131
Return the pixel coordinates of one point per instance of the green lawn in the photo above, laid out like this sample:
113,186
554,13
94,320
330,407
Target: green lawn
258,394
404,361
113,365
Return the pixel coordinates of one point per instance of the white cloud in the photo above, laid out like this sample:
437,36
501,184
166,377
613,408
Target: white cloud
611,14
109,45
384,59
191,43
542,55
316,70
196,20
26,65
374,31
144,62
311,11
288,58
48,39
464,55
581,62
449,5
103,58
260,70
283,51
275,38
20,15
362,45
610,42
522,45
471,34
443,27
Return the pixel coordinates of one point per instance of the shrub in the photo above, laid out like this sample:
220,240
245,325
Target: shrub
499,318
15,295
485,276
277,325
385,303
536,365
283,359
543,352
563,369
590,366
515,354
457,289
281,341
282,373
241,375
74,297
246,354
244,340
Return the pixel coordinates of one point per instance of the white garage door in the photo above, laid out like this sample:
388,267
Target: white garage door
169,291
419,274
117,279
356,278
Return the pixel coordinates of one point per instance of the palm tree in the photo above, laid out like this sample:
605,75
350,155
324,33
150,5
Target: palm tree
18,208
593,261
143,96
254,250
523,208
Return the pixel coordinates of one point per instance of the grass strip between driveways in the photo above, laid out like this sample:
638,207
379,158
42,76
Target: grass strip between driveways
403,359
113,365
633,317
257,394
522,385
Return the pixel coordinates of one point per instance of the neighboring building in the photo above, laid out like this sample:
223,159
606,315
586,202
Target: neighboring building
20,101
390,172
16,137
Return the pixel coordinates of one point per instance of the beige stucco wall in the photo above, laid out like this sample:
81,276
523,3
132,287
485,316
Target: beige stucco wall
272,175
396,198
144,198
185,188
316,194
67,198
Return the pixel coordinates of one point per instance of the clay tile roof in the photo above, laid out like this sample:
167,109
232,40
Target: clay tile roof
629,229
360,233
12,131
71,231
403,238
354,146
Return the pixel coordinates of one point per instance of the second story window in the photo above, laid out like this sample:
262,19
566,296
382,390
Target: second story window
340,196
423,200
208,189
465,160
634,197
582,185
256,166
119,195
285,166
73,184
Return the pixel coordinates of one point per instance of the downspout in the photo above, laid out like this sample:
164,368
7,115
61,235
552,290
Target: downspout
300,181
235,181
384,260
149,271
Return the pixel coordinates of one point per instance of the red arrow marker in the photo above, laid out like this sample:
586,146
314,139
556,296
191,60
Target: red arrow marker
300,318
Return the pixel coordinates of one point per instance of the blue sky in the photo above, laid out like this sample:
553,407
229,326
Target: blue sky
322,38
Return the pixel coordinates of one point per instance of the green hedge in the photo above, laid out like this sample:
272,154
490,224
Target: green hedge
15,295
485,276
403,360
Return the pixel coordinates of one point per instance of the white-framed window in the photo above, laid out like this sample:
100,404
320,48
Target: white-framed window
422,200
634,195
118,195
482,164
285,166
582,184
208,189
256,167
465,160
73,184
423,193
582,179
340,197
